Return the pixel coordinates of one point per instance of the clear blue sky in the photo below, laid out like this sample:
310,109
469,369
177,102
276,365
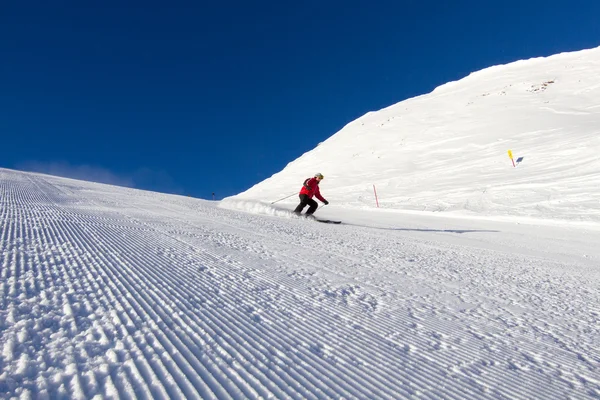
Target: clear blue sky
200,97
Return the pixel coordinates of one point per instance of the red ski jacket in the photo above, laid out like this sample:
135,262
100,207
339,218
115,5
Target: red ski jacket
311,188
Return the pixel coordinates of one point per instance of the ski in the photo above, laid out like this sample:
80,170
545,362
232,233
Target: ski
328,221
325,221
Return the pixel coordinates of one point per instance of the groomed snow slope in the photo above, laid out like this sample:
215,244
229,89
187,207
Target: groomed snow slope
108,292
447,151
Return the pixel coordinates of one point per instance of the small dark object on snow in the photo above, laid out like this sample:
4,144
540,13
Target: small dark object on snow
328,221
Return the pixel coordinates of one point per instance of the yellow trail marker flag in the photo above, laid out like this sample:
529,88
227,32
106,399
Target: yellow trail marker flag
511,158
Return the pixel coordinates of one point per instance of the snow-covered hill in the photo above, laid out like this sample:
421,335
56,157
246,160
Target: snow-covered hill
109,292
447,151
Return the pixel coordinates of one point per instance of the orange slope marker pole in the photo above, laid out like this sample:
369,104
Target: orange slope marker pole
376,201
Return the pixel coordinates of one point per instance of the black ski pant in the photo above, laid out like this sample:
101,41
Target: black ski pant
306,201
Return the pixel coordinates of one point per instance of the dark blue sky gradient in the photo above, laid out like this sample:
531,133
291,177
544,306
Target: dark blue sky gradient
199,97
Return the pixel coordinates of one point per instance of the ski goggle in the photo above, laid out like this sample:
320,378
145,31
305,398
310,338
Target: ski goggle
319,176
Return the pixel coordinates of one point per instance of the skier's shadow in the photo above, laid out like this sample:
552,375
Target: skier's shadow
444,230
429,230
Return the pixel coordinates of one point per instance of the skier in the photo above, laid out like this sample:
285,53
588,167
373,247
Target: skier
310,189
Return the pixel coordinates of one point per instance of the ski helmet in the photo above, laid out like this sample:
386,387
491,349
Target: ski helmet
319,175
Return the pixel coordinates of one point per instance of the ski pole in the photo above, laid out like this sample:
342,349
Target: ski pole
283,198
320,207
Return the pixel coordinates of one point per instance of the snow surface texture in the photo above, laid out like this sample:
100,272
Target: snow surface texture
111,292
447,151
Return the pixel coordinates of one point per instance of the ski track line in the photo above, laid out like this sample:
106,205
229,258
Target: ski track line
156,282
62,240
148,371
141,307
188,316
88,306
55,264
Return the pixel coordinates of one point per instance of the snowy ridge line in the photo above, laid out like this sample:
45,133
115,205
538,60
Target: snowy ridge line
446,151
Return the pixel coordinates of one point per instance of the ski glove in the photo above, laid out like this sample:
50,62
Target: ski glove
326,202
